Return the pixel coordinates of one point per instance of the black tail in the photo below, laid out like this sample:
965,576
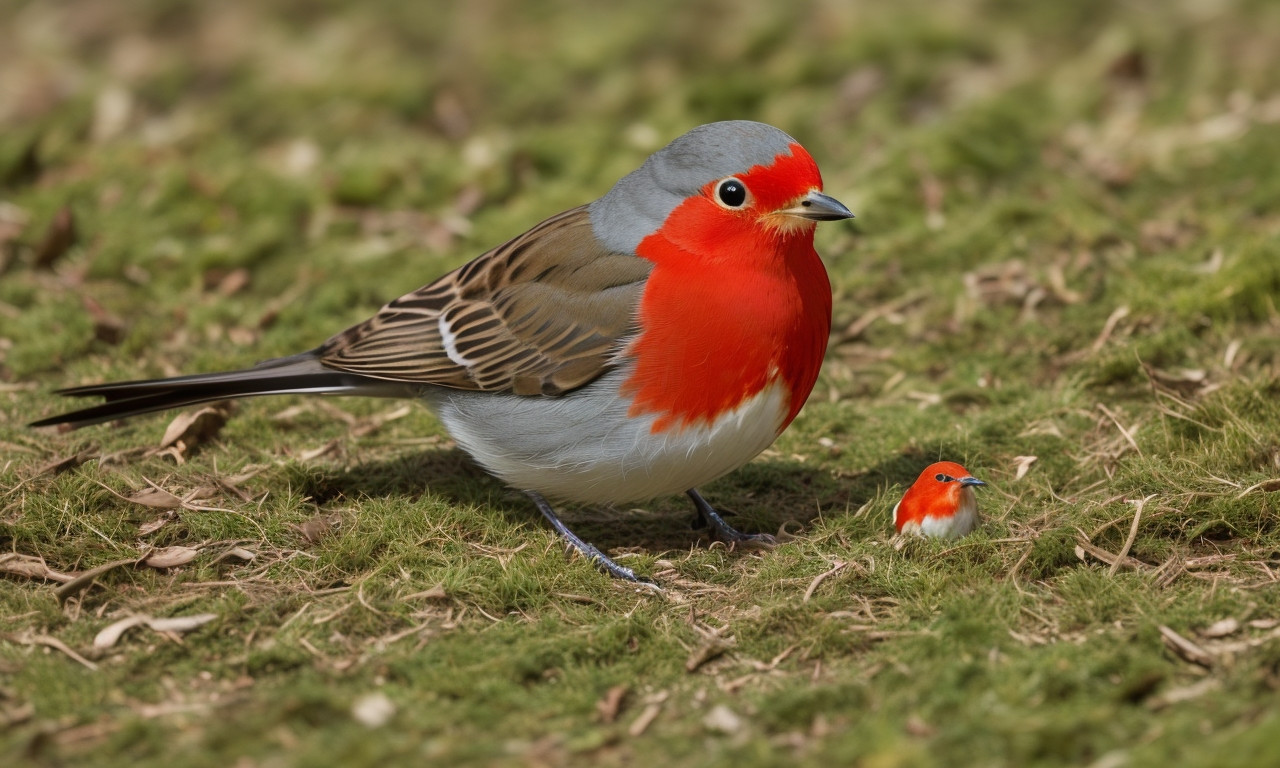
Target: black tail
299,374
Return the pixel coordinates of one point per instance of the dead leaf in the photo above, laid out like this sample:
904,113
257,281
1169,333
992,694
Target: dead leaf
15,714
155,498
31,567
232,282
111,634
721,719
1221,628
58,239
611,704
236,553
316,453
181,624
170,557
1023,465
314,530
194,427
713,645
58,466
151,526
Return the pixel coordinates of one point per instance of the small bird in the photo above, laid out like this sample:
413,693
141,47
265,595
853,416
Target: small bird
637,346
940,503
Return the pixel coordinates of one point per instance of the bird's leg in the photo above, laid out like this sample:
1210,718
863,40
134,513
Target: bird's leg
722,531
589,551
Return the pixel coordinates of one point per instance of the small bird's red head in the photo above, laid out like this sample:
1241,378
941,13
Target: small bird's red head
940,503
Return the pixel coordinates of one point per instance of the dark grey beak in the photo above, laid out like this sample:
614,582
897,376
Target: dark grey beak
971,481
819,207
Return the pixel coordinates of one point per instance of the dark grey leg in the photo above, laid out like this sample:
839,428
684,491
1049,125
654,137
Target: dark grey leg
722,531
589,551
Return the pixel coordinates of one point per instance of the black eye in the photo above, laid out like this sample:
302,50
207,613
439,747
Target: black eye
732,193
944,478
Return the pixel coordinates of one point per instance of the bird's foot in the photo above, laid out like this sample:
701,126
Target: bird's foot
722,531
588,550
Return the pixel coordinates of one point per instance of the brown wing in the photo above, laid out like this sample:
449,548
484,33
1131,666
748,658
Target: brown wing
543,314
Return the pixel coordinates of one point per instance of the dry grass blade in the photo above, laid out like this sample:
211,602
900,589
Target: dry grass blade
435,593
652,708
1086,547
1108,328
864,321
817,580
1185,649
1138,505
58,466
611,704
48,641
1128,434
1237,646
1185,693
1266,486
714,643
83,581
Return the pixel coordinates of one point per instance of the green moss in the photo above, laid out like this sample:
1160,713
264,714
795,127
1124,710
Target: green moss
1020,172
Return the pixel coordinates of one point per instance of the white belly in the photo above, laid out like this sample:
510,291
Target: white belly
959,524
583,447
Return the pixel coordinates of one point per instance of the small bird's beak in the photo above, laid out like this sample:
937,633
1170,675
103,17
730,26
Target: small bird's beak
971,481
819,207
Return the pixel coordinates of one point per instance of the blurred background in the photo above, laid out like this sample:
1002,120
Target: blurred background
1064,273
192,140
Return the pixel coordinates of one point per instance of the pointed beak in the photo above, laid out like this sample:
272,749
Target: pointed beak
971,481
816,206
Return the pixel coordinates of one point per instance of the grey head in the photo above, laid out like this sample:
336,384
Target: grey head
639,203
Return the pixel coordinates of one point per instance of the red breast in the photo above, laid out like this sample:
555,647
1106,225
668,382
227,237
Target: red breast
737,299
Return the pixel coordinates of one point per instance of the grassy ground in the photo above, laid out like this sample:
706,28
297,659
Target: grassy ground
1064,274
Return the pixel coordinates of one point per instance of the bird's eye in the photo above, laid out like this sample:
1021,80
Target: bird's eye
944,478
731,193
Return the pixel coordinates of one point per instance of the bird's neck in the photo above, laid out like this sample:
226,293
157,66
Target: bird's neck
722,321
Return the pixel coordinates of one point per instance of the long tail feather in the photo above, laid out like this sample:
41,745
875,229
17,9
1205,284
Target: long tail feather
299,374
